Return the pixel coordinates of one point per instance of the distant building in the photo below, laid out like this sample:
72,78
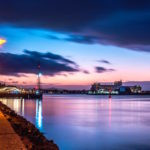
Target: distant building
10,89
124,90
95,86
136,89
130,89
118,83
116,88
98,88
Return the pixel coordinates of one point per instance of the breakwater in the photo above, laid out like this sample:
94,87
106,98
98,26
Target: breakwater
32,138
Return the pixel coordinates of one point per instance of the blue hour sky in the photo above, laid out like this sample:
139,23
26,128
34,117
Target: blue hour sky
76,42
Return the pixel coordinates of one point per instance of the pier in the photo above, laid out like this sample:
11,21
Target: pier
7,91
21,95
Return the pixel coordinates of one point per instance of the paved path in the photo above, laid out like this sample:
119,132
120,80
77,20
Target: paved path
9,140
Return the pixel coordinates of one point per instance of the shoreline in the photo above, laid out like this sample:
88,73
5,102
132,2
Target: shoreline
25,96
31,137
141,94
122,94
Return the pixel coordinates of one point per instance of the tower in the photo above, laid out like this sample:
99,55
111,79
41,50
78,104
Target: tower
39,80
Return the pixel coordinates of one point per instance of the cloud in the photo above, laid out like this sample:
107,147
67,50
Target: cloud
86,72
123,23
102,70
82,39
50,56
26,63
104,61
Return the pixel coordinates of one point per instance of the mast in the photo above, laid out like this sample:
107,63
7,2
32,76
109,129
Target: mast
39,80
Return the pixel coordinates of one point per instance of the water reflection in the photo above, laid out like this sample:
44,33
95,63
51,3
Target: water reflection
39,113
110,111
18,105
81,122
22,107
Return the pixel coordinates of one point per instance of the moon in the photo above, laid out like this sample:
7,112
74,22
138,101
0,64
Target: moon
2,41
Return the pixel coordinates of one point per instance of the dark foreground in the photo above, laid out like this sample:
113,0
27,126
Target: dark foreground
30,135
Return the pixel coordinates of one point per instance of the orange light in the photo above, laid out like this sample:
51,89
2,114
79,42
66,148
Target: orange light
2,41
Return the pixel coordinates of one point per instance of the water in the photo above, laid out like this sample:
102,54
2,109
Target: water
83,122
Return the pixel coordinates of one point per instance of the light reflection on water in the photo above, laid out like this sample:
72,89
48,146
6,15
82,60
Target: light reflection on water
82,122
39,113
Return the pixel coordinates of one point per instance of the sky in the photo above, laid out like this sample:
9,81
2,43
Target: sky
76,42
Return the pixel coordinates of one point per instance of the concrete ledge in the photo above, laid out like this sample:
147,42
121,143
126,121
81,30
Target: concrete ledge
9,140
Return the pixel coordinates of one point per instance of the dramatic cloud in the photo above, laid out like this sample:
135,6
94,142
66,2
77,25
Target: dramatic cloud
104,61
82,39
122,23
102,70
50,64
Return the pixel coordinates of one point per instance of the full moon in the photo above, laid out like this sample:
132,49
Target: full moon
2,41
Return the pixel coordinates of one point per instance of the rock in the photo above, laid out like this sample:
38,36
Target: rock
27,131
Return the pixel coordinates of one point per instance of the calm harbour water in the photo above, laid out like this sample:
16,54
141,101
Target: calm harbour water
84,122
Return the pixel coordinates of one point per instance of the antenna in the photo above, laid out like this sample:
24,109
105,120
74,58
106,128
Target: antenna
39,80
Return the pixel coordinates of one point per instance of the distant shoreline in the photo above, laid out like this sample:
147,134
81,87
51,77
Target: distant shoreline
122,94
31,96
94,94
24,96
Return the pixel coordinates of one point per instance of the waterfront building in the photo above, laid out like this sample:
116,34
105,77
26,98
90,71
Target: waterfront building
136,89
116,88
95,86
10,89
118,83
124,90
98,88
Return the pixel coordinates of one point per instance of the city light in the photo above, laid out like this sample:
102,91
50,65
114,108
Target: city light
40,74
